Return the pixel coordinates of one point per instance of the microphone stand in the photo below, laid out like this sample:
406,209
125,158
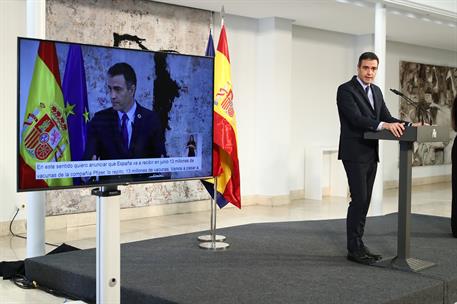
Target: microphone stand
421,110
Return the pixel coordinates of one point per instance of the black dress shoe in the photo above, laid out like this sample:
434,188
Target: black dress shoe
377,257
360,257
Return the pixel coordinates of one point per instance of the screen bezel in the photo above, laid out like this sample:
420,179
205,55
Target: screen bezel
101,184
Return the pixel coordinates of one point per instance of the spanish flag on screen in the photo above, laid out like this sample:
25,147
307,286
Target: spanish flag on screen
44,134
225,151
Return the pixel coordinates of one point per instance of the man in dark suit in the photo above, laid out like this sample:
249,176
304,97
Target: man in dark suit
361,108
126,130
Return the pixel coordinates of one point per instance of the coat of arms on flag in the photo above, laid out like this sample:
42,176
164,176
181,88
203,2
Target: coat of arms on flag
225,98
43,135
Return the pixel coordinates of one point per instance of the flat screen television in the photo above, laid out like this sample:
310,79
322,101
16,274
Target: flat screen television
94,115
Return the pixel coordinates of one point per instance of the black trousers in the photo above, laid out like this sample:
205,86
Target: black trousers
361,178
454,189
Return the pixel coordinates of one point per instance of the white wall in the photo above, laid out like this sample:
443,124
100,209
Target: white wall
242,43
273,90
12,24
321,61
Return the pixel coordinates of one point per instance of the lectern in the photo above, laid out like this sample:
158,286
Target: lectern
403,260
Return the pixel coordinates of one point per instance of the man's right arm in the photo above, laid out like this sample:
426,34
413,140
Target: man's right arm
394,125
90,150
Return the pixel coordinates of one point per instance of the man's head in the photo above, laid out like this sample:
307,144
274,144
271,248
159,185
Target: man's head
367,67
121,86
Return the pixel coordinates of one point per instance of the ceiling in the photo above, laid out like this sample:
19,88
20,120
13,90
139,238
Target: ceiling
407,21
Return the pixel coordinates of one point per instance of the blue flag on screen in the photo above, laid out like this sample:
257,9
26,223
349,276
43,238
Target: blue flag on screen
74,91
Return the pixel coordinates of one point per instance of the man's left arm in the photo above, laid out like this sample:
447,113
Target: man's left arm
385,115
389,118
388,122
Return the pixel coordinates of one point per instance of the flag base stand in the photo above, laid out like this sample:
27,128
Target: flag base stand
208,238
213,241
214,245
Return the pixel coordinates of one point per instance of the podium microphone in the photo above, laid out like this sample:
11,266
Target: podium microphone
397,92
422,111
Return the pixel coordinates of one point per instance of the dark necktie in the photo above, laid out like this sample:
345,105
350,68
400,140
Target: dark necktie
125,132
367,90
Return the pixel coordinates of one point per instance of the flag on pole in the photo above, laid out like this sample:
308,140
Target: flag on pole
210,46
225,150
44,134
76,106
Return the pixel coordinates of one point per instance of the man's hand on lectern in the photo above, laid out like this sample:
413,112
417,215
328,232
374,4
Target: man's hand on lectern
396,128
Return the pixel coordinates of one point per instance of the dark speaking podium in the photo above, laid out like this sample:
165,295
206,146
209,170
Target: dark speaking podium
403,260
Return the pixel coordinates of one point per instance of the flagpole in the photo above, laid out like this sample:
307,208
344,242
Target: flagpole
213,229
209,237
211,23
212,243
222,14
212,226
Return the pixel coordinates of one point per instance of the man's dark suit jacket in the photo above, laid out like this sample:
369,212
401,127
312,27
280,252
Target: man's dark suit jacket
356,117
104,137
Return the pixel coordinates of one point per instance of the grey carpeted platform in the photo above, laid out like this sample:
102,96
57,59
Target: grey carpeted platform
288,262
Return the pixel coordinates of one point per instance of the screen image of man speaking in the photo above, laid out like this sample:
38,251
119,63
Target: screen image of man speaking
125,130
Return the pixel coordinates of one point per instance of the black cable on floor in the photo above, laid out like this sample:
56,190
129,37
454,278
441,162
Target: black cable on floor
20,236
22,282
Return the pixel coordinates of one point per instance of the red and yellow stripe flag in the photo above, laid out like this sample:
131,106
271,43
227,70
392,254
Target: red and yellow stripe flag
44,133
225,150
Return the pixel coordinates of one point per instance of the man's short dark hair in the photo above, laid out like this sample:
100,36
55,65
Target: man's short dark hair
367,56
124,69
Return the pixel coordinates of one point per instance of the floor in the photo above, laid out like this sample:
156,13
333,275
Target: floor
428,199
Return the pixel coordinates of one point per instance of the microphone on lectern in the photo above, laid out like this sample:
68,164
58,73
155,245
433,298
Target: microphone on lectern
422,109
397,92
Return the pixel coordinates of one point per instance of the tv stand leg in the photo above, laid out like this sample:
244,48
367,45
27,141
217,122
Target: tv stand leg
108,245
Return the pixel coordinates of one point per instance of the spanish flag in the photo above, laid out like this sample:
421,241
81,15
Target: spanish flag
225,150
44,133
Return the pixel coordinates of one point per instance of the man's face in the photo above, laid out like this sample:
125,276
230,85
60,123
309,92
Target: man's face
121,95
367,70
